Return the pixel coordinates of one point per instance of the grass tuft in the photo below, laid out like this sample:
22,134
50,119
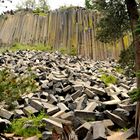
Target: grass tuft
19,129
119,70
108,79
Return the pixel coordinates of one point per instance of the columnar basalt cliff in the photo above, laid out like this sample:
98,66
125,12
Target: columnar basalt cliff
65,28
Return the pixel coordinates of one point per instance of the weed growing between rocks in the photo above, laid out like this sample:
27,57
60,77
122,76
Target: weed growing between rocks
12,86
119,70
27,127
108,79
135,95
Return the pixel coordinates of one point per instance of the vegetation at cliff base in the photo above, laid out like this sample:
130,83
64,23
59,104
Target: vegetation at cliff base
108,79
13,86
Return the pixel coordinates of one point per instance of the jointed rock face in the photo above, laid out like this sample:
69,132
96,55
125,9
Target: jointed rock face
71,93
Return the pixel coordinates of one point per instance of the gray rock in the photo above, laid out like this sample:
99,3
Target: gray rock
47,105
6,114
45,86
124,86
128,133
68,98
130,107
78,87
72,106
77,122
29,110
76,94
99,91
116,119
86,115
58,114
68,115
67,88
44,95
98,131
89,93
50,124
61,99
52,99
18,113
4,124
62,106
81,102
36,104
108,123
82,130
122,113
53,110
58,90
46,135
91,106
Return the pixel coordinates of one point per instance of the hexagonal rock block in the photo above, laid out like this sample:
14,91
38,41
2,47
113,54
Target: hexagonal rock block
6,114
29,110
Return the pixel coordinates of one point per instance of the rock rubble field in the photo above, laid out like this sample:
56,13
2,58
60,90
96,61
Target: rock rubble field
77,103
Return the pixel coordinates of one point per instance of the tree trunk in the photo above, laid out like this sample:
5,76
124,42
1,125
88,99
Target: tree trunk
134,16
123,45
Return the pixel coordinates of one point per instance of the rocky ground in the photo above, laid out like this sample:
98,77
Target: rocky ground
79,105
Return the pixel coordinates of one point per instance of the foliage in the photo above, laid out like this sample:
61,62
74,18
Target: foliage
127,60
63,50
119,70
43,5
40,7
12,86
73,51
127,57
18,126
114,22
27,4
65,7
138,74
89,4
108,79
135,94
39,12
40,47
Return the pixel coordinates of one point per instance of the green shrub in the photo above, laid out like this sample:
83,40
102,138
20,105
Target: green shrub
108,79
12,86
39,12
18,128
63,50
127,61
119,70
73,51
135,95
40,47
43,47
64,7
